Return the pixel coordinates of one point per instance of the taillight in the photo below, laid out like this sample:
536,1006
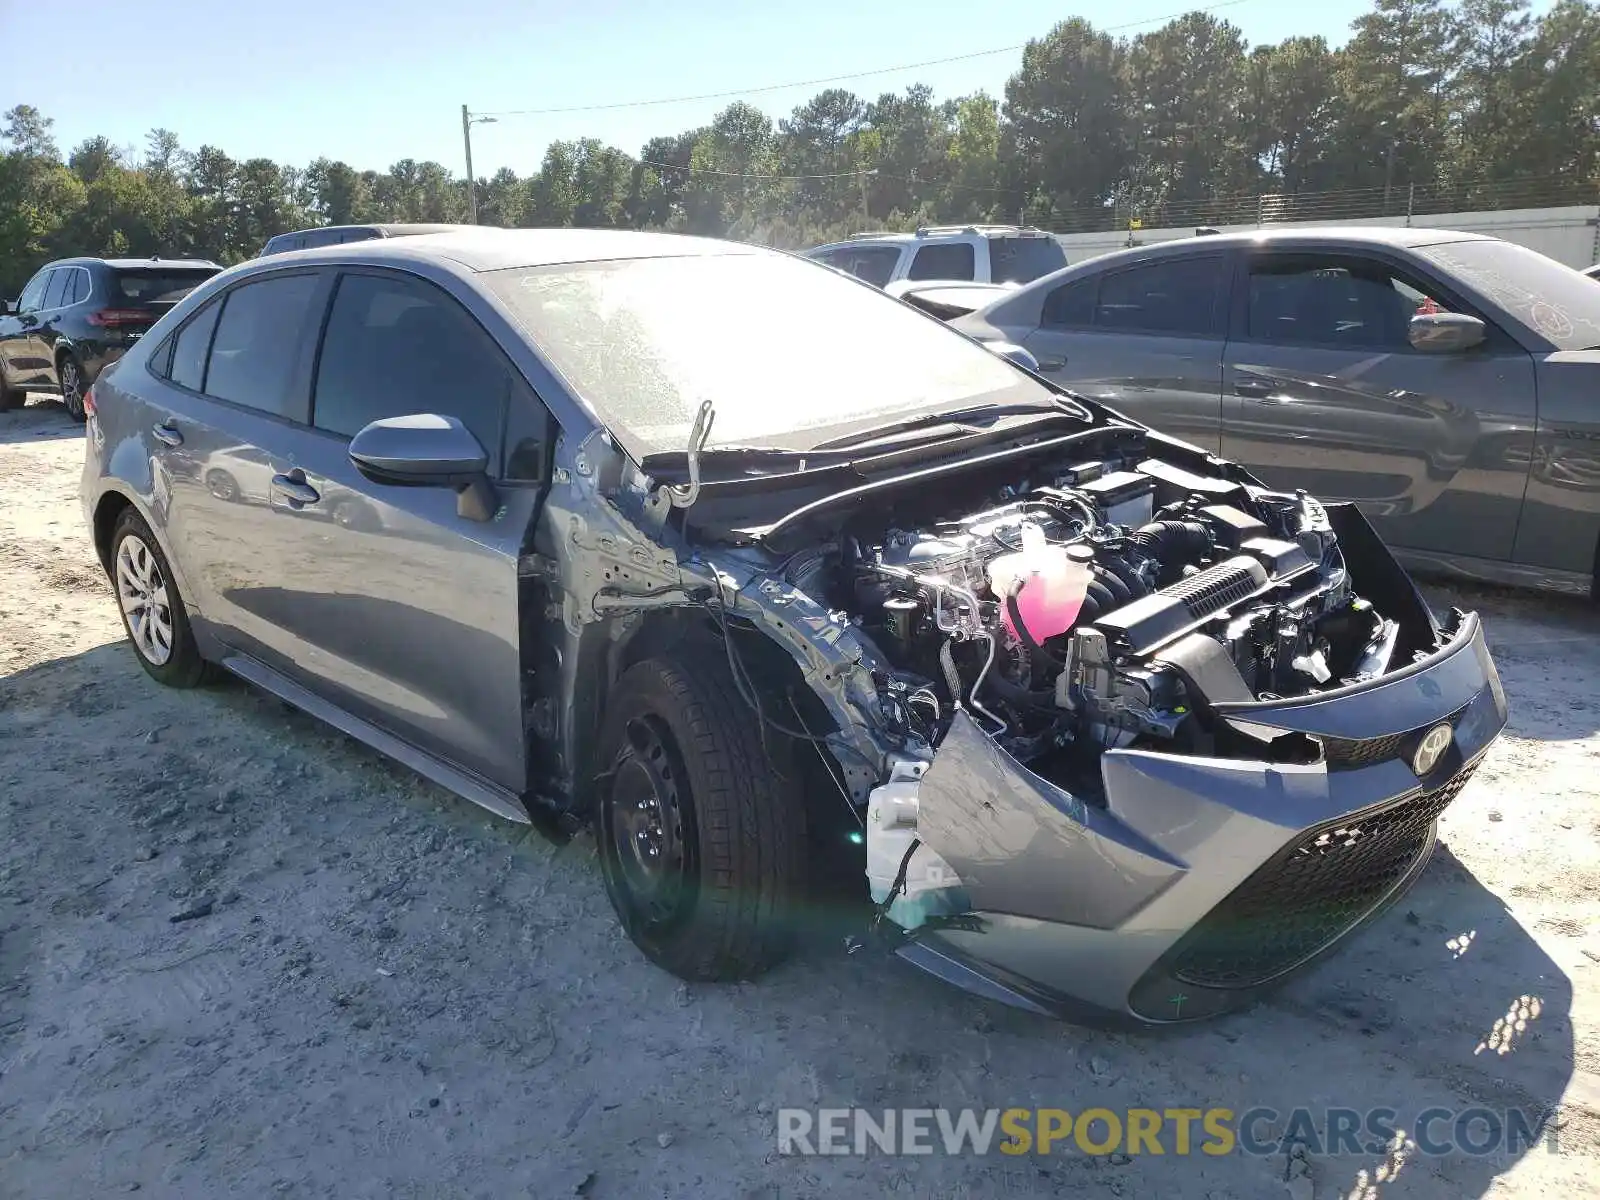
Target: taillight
88,403
111,318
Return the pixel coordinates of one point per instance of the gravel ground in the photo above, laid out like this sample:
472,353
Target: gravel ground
242,956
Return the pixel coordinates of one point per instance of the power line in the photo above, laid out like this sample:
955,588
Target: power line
799,83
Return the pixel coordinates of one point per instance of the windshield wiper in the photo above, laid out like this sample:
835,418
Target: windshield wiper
978,416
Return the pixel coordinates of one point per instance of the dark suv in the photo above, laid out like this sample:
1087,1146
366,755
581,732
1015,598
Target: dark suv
77,316
334,235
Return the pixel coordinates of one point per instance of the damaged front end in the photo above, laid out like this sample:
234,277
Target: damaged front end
1128,736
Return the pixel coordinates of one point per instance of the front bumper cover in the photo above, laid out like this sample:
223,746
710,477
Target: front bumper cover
1200,881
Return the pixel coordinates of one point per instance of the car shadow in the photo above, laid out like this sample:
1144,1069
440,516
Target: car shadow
43,418
1446,1002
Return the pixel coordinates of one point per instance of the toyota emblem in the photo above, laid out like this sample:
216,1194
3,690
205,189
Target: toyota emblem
1434,743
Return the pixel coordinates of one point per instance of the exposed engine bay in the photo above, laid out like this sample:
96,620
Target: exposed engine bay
1193,591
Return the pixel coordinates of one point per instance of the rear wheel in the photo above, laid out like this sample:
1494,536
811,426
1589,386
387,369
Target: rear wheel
701,836
152,611
70,371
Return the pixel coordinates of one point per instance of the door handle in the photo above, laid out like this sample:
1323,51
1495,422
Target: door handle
1256,387
1051,364
167,434
294,488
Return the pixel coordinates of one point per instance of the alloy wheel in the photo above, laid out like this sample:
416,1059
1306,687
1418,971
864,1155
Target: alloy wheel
72,387
142,592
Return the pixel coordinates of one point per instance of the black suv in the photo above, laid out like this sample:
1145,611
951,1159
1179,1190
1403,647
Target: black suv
78,315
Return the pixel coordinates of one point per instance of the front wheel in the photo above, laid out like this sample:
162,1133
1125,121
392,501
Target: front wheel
701,836
152,611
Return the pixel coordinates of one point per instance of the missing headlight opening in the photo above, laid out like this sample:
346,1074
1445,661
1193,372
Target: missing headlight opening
1107,718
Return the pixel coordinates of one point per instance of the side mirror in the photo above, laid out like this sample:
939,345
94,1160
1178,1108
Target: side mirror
8,308
1016,354
1445,333
427,450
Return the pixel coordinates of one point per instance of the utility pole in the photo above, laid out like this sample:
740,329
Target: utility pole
861,178
467,122
472,187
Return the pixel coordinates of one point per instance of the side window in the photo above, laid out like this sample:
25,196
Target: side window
1072,304
951,260
871,264
32,298
189,349
395,347
1332,302
1178,299
256,349
59,279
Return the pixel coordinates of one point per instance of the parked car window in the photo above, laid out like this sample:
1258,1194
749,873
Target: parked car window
1331,302
189,349
1024,259
1551,299
141,285
1177,298
59,279
1072,303
395,347
871,264
951,260
259,336
33,295
78,290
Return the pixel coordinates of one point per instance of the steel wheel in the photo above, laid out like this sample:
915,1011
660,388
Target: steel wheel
646,820
142,592
72,387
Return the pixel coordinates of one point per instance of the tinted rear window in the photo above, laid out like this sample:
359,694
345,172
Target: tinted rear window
1024,259
154,286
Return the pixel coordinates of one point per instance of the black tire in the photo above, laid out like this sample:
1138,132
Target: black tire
731,821
10,397
183,667
73,385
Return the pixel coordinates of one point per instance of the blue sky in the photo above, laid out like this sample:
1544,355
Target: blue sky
300,79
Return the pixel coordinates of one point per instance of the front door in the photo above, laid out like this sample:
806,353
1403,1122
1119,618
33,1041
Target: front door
404,610
1325,392
21,348
1146,340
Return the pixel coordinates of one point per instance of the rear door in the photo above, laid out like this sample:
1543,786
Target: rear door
1325,392
237,384
404,611
1147,339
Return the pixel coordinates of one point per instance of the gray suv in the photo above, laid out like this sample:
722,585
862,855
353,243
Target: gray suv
744,566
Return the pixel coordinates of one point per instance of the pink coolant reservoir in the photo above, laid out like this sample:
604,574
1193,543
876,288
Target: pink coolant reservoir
1056,584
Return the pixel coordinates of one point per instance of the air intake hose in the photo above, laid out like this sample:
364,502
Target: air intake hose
1173,544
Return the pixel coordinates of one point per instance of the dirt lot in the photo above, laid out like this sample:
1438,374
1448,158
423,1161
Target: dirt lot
381,991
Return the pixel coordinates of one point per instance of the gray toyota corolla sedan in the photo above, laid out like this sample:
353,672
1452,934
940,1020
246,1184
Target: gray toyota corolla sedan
743,564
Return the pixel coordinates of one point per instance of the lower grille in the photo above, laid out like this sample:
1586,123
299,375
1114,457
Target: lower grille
1312,891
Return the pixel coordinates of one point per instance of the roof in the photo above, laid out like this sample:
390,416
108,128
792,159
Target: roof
487,248
386,228
1316,235
128,264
